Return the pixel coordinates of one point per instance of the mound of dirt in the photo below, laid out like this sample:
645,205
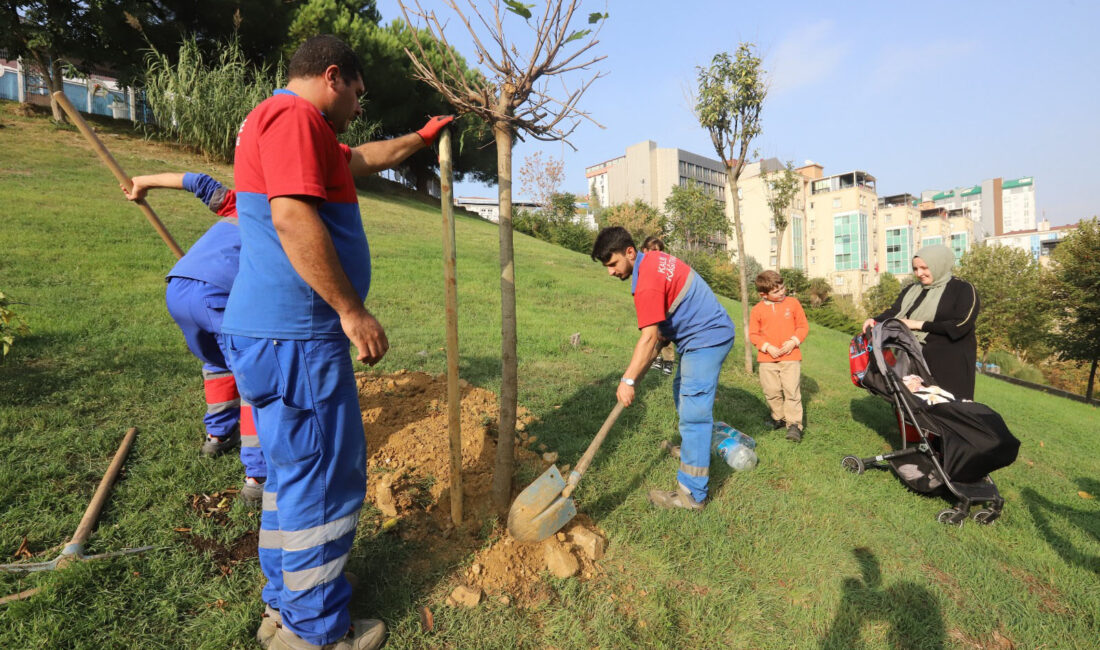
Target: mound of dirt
409,474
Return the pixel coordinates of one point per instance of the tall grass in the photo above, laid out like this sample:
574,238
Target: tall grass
201,103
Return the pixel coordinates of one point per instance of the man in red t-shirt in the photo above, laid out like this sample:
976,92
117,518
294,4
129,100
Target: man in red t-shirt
296,303
675,304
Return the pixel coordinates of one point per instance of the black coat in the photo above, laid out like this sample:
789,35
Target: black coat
951,349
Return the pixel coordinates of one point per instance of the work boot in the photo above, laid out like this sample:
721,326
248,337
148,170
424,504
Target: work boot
774,424
679,498
673,450
270,623
252,492
215,446
364,634
794,434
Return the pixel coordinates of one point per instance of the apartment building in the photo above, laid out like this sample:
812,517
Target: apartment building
1040,242
649,173
999,206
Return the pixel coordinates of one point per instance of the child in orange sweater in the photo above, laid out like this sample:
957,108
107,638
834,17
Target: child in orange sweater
777,328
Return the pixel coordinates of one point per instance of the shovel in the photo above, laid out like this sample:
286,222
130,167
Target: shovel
545,506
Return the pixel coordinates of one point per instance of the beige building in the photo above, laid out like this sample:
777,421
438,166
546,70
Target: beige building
838,227
649,173
1039,242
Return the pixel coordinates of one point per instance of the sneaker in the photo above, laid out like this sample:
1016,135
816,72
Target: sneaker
678,498
658,364
215,446
270,623
364,634
773,423
252,492
673,450
794,434
667,367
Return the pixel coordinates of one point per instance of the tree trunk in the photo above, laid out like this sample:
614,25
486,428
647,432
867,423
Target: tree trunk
50,67
779,247
1092,378
741,272
505,460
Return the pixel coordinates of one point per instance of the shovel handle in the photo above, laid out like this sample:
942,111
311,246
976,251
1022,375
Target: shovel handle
91,515
593,447
115,168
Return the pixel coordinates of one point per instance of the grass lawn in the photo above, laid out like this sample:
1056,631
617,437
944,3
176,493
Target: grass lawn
796,553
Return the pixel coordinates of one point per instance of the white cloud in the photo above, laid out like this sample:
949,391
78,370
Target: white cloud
808,55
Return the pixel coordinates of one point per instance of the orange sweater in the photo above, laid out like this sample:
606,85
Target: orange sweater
775,323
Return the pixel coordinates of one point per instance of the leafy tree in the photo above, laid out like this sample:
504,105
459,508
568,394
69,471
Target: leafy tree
513,98
1077,270
879,297
795,280
781,186
639,218
53,35
731,95
596,208
1015,298
351,20
695,219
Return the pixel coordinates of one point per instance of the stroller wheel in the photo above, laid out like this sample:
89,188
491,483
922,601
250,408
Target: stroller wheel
952,516
853,464
986,516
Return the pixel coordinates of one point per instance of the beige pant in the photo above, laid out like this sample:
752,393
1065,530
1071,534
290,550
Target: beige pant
780,381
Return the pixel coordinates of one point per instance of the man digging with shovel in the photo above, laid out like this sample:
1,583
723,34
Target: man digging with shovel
673,303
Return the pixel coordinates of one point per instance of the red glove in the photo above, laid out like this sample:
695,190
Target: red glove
430,131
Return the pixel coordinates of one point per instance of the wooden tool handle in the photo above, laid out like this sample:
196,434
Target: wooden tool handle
87,523
115,168
450,284
594,446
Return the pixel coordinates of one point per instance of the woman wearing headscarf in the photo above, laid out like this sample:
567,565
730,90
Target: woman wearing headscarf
941,310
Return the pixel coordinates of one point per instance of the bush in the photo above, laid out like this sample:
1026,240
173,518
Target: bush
11,325
567,234
716,270
829,316
202,105
819,291
796,281
1005,360
1030,373
847,306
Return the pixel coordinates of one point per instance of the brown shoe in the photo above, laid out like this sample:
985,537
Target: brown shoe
365,634
674,499
794,434
673,450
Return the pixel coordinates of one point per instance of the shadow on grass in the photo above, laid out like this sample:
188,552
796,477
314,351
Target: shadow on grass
909,609
1044,510
876,414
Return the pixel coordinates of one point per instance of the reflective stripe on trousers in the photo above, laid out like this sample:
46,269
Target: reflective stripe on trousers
693,390
306,408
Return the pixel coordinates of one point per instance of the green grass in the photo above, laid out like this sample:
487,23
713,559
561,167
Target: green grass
795,553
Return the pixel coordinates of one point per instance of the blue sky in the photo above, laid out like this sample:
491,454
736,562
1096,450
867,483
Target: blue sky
921,95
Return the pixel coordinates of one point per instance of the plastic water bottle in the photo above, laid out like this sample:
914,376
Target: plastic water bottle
734,447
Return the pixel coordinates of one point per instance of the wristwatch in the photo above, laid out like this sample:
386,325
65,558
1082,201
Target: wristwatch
627,381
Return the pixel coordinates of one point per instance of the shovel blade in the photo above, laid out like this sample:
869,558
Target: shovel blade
540,510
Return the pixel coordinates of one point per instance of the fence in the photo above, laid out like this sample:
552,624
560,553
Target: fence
1042,387
96,94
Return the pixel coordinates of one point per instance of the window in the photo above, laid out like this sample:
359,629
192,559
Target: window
850,241
771,226
898,250
958,244
931,241
836,203
796,242
771,261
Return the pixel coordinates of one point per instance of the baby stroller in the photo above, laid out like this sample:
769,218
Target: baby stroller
946,448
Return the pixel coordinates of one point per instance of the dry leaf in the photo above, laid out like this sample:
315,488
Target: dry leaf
1085,495
427,621
22,551
221,504
182,530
